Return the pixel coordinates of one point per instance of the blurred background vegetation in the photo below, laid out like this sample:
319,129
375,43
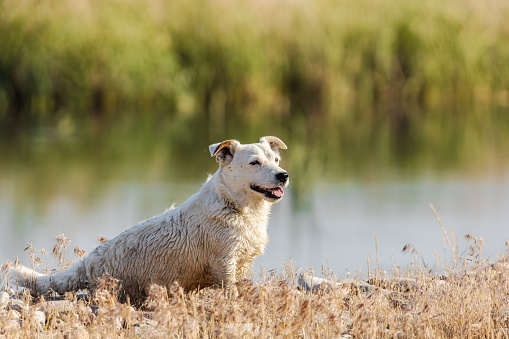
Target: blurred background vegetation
355,88
321,58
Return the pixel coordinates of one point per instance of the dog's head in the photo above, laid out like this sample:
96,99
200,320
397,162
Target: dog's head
253,168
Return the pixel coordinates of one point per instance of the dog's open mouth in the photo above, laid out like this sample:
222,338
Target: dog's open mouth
271,193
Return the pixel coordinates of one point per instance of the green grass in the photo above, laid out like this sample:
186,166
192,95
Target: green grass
228,57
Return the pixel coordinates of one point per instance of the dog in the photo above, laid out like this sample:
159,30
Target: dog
209,240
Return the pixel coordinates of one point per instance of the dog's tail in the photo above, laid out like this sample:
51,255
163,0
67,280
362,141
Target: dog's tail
71,279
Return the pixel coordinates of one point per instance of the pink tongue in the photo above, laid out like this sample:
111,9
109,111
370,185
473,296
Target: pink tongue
278,192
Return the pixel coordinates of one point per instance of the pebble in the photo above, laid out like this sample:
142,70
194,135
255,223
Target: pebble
94,309
357,285
40,317
119,323
7,317
18,305
12,325
149,328
4,299
314,284
63,307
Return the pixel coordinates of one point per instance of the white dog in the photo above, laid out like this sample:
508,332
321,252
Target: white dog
209,240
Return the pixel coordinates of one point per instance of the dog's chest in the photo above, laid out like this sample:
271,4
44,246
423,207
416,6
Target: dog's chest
251,241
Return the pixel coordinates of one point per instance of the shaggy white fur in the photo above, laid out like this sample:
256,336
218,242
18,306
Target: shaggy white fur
211,239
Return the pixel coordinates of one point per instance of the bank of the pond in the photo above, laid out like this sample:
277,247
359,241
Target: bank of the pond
470,301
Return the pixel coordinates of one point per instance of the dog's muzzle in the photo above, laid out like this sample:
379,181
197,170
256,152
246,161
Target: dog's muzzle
274,193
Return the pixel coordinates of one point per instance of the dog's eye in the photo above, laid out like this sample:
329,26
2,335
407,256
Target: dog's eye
277,160
254,162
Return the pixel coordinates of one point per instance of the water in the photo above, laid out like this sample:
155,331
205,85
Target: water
342,228
94,185
351,224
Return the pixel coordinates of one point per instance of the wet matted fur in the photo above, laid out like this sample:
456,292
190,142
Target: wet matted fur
209,240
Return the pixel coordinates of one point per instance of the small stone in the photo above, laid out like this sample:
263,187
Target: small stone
313,284
18,305
148,328
149,322
119,323
148,315
10,314
59,323
4,299
83,296
307,282
94,309
130,317
40,317
12,325
62,307
358,286
10,290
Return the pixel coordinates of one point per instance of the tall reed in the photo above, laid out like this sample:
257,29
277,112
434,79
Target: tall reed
228,57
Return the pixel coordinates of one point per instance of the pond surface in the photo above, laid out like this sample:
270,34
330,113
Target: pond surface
347,226
342,218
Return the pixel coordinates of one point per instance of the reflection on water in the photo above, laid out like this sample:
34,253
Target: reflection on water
354,197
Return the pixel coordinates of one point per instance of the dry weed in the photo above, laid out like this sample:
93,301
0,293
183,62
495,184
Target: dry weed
470,301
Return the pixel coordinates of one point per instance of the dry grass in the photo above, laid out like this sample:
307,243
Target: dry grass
470,301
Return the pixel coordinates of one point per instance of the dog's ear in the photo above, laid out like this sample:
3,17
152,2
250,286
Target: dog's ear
274,142
223,151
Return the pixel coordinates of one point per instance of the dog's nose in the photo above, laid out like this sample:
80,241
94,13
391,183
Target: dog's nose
282,176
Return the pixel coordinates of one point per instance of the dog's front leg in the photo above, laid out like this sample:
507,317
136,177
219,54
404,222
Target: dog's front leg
223,275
